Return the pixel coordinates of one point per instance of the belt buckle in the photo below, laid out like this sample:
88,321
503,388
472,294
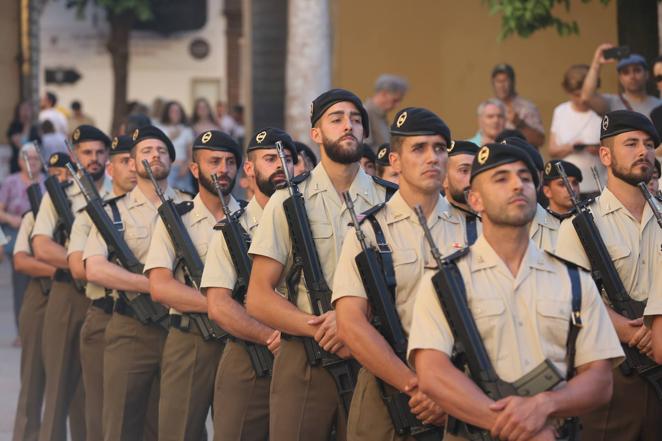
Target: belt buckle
576,318
384,248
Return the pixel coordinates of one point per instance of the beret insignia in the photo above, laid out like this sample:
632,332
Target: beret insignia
76,135
401,119
483,154
260,136
135,134
54,159
206,137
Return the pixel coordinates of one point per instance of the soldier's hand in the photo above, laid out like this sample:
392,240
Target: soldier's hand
519,418
273,342
640,337
425,410
327,335
343,353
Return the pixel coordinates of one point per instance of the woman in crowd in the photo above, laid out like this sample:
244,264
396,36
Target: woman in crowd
175,125
203,118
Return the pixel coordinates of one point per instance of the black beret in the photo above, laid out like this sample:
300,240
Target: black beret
495,154
533,152
333,96
59,159
121,144
218,141
153,132
622,121
551,172
382,155
266,139
367,152
509,133
86,132
306,151
416,121
462,148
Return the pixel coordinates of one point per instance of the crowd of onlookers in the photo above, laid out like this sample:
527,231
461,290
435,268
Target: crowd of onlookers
573,131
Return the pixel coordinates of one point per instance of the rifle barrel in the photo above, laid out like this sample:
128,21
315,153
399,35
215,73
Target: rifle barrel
286,171
436,254
150,174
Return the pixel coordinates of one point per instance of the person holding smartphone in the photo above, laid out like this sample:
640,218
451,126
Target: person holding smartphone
632,76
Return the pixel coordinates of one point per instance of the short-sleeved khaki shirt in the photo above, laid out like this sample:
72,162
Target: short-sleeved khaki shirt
458,216
328,218
635,248
139,217
544,230
219,268
410,251
47,218
522,320
22,244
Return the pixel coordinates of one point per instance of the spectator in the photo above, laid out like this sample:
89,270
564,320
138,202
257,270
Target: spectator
133,122
491,121
52,141
367,161
77,117
20,131
389,92
238,130
521,114
203,118
224,120
307,159
632,77
174,124
156,111
575,131
13,204
51,113
657,74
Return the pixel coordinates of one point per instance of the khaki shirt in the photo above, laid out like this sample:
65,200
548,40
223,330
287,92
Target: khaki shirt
22,244
458,216
544,230
635,248
328,218
139,217
410,251
220,271
522,320
47,218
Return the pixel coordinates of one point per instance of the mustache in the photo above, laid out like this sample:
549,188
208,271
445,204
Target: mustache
349,135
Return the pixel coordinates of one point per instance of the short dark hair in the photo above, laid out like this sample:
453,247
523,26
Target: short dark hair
76,106
165,116
47,127
379,170
52,98
396,143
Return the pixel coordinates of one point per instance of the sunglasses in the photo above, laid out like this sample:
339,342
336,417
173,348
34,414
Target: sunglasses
658,78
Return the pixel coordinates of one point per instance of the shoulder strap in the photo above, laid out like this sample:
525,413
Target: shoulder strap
117,218
370,211
389,186
384,250
298,179
625,102
242,203
575,318
451,258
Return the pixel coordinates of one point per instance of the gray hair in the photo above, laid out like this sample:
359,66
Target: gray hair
391,83
28,147
491,101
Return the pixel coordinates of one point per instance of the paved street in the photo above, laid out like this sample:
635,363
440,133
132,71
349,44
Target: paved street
9,356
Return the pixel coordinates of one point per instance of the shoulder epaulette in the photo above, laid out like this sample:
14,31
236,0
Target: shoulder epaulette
113,199
298,179
388,185
242,203
187,193
456,255
184,207
564,261
370,212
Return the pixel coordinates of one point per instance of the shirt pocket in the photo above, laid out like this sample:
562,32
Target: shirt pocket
202,248
553,324
137,238
488,313
619,255
322,233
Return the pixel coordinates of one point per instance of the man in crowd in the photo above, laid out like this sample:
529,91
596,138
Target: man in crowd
491,121
390,90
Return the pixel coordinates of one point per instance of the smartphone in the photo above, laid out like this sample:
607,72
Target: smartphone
616,53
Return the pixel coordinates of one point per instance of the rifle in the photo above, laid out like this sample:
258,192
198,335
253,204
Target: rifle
238,242
60,200
147,311
186,256
307,261
381,295
652,202
469,346
607,279
34,190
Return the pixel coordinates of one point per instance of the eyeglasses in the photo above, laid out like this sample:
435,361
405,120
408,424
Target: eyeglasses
658,78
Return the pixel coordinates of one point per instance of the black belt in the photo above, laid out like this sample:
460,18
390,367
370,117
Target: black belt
184,323
106,304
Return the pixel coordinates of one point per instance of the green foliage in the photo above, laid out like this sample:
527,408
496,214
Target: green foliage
524,17
142,9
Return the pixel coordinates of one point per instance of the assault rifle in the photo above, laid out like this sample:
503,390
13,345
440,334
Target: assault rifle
59,199
186,256
381,295
238,241
469,347
34,190
606,277
307,261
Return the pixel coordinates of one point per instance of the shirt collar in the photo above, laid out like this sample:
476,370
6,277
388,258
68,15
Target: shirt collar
483,256
398,210
200,211
137,197
609,203
253,213
361,185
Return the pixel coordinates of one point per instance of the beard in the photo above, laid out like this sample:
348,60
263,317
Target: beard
342,155
159,173
456,195
631,177
99,174
509,216
208,183
268,185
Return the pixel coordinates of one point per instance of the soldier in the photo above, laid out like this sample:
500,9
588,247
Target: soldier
132,356
560,204
31,323
460,156
304,401
419,140
383,168
521,301
67,303
633,240
368,159
98,314
241,395
189,363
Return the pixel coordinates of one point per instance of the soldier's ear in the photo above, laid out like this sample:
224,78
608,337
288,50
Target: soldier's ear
195,170
475,201
605,155
316,135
